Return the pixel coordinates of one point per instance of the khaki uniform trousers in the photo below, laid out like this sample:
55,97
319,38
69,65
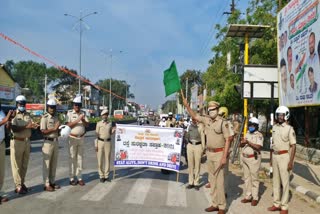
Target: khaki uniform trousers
281,176
19,155
50,151
217,180
194,153
2,162
103,156
251,168
75,157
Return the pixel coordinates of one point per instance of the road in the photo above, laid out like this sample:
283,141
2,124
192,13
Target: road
134,190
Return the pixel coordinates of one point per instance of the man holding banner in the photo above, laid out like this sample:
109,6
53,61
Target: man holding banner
218,143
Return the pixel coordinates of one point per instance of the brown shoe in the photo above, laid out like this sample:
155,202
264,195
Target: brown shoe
55,186
254,203
211,209
20,191
3,199
221,212
246,200
73,183
48,188
284,212
274,208
81,182
208,185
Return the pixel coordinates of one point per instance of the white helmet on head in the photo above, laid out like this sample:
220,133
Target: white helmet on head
170,114
254,120
51,102
283,110
65,131
77,99
21,99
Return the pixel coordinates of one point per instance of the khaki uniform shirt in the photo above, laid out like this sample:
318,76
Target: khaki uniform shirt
103,130
217,131
236,126
231,129
78,129
283,136
254,138
48,122
22,119
170,122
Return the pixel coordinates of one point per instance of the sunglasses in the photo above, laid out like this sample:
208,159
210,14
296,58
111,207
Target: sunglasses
77,104
53,107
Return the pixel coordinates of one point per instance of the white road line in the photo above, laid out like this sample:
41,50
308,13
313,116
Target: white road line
177,196
140,189
98,192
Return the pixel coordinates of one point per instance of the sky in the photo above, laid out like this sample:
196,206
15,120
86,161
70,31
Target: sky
143,37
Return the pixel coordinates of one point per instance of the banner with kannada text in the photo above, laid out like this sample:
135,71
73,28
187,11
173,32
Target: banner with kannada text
147,146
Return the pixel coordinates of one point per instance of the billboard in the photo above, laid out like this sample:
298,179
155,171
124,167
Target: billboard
298,53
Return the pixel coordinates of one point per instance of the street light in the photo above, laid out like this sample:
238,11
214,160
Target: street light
80,21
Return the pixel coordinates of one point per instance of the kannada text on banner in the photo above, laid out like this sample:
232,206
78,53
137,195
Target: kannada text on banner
298,53
145,146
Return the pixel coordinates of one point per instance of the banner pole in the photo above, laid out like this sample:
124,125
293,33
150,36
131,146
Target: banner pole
114,172
178,176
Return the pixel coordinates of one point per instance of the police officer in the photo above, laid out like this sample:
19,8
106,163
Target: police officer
170,120
194,152
224,113
251,160
49,127
218,143
103,146
3,121
284,139
77,121
20,144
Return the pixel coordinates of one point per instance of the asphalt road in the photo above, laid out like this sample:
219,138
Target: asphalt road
134,190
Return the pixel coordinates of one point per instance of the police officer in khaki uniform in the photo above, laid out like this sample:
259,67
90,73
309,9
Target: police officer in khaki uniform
284,139
217,132
103,146
170,122
3,121
49,127
77,121
251,159
20,144
194,153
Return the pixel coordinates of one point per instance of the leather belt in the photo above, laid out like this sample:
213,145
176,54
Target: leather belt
196,143
215,149
78,136
20,138
51,138
248,156
280,152
108,139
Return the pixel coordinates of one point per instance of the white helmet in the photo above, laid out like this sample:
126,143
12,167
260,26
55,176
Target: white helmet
170,114
77,99
51,102
21,99
283,110
254,120
65,131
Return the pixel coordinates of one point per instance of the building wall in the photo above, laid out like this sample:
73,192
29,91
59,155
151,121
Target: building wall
7,87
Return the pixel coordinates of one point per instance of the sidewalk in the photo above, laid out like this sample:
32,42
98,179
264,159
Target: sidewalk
306,176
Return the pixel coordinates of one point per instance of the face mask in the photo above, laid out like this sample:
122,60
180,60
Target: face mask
252,129
213,114
21,108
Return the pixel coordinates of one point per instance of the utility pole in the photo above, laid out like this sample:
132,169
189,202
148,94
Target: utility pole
45,93
232,8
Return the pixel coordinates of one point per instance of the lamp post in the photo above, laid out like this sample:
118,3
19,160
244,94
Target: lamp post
80,21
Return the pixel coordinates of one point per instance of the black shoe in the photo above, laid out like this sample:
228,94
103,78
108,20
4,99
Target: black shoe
197,188
190,186
73,183
25,188
102,180
107,180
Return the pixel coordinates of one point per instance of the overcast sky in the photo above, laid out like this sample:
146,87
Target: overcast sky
150,34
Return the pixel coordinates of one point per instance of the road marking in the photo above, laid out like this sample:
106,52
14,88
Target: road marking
207,192
302,190
140,189
177,196
98,192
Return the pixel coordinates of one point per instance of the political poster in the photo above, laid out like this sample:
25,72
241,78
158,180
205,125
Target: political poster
146,146
298,53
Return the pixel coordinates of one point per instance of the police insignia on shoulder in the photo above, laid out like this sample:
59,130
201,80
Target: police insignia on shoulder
227,125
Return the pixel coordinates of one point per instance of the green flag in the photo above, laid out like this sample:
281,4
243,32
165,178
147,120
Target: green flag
171,80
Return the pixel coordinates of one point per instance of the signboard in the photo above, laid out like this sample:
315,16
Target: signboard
259,82
298,53
6,93
143,146
194,97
